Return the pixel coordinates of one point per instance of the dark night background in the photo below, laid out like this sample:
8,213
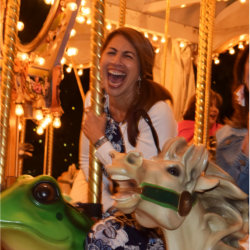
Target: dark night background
65,151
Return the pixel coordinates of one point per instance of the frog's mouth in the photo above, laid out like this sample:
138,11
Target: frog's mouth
16,236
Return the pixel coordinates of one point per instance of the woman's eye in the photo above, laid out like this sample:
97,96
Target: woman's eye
128,56
174,171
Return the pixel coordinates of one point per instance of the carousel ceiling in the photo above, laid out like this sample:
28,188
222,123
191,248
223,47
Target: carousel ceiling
54,38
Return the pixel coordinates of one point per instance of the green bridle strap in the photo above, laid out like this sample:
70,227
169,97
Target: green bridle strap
161,196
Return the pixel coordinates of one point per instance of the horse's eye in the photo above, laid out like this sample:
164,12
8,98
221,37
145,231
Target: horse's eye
45,192
174,171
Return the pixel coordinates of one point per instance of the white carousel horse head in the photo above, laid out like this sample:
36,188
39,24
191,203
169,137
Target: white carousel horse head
192,200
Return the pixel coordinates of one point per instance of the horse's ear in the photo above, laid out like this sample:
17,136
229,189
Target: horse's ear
195,158
134,158
204,184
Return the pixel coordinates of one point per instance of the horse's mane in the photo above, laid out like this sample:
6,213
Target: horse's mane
229,204
225,206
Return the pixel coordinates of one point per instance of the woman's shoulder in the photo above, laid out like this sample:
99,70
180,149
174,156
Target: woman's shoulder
160,106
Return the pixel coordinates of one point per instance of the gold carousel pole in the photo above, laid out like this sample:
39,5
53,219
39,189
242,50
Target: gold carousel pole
45,154
165,49
122,16
17,147
9,53
207,14
50,148
210,14
97,35
22,140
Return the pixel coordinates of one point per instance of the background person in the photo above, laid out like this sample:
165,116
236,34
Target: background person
232,151
186,126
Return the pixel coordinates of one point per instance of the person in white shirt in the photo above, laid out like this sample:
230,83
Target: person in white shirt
134,106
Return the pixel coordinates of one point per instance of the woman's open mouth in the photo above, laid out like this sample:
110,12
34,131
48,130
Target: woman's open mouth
115,78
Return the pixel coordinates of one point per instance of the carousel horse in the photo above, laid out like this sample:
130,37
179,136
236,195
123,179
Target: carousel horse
34,215
193,201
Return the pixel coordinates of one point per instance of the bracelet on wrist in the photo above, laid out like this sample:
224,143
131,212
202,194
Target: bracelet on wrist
100,142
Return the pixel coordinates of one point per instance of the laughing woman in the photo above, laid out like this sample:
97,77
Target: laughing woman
135,108
126,67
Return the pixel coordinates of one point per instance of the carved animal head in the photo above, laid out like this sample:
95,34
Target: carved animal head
181,181
167,181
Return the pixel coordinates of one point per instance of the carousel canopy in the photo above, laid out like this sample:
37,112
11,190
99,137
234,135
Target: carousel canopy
56,37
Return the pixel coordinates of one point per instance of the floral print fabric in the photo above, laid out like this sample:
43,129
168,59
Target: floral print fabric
119,231
113,132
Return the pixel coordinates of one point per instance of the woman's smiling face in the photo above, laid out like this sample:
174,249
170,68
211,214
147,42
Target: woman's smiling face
120,68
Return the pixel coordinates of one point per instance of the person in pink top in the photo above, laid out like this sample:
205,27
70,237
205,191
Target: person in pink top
186,126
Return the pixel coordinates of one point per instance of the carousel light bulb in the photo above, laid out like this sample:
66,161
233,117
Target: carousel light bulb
242,1
163,40
68,69
216,60
242,37
39,114
109,26
183,5
39,130
71,51
155,38
40,61
20,126
240,45
80,19
85,11
57,122
88,21
19,109
43,124
231,51
63,60
146,34
80,72
20,26
83,2
72,32
157,50
49,2
182,44
48,119
72,6
23,56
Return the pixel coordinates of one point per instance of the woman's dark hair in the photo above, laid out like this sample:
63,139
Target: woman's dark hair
190,112
149,92
240,116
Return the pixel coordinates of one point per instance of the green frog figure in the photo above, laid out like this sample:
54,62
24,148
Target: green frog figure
35,216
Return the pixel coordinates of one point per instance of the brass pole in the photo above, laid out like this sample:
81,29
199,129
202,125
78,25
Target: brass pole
78,80
165,49
22,140
9,53
45,154
207,11
210,16
122,16
17,146
50,148
97,35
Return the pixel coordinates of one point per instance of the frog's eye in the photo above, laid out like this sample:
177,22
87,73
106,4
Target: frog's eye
45,192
